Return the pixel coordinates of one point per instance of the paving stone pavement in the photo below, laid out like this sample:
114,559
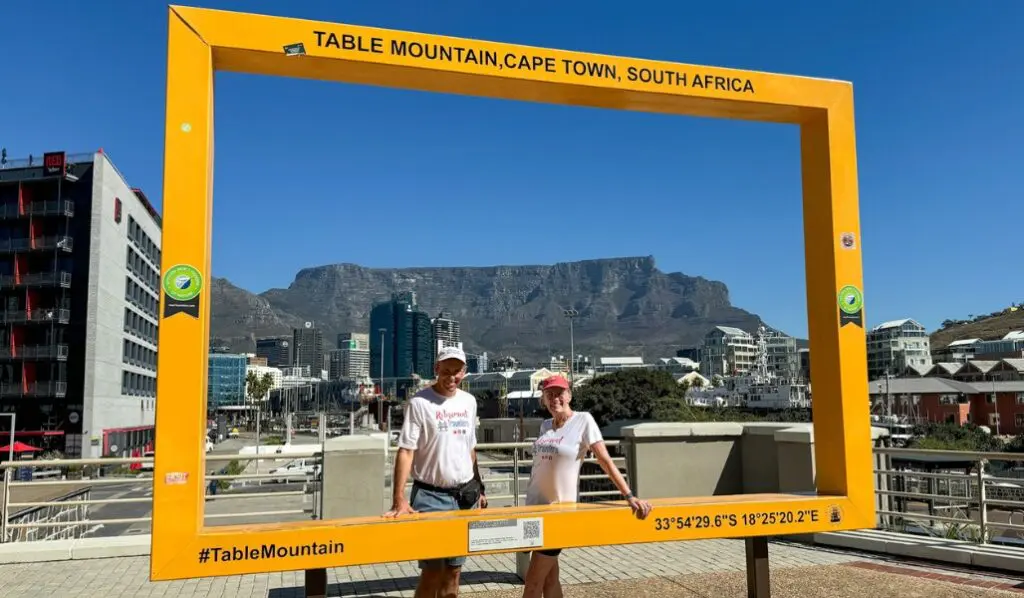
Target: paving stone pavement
124,577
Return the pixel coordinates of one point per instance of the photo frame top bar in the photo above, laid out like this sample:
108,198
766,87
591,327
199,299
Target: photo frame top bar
298,48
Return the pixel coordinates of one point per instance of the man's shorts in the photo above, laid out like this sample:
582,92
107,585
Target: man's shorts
428,501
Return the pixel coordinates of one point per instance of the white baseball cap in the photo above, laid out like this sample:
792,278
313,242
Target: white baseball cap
451,353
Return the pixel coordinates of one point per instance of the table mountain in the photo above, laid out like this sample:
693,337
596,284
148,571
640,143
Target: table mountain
626,306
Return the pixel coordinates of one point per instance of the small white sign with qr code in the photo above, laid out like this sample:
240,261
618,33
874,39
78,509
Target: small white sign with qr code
506,534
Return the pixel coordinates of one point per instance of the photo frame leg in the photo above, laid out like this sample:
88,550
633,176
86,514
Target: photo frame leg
758,582
316,583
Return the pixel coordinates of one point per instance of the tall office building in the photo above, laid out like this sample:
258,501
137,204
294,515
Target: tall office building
352,358
359,341
447,332
79,285
226,386
277,350
476,363
308,349
405,335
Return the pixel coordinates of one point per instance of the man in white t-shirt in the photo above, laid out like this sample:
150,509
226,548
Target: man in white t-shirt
437,446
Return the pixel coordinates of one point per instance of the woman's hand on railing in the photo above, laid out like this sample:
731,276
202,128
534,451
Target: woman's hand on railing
641,508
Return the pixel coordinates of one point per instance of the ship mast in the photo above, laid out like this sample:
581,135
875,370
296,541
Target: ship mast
761,374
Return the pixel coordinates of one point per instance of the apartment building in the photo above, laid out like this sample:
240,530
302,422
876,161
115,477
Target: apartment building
895,346
79,285
783,356
727,351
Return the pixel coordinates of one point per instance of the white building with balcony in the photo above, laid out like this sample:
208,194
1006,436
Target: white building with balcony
726,352
895,346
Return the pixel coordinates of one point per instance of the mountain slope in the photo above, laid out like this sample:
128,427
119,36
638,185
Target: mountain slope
990,327
626,306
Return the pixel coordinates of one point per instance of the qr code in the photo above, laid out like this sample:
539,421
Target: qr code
531,530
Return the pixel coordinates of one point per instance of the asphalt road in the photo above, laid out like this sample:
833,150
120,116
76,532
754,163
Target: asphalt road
141,487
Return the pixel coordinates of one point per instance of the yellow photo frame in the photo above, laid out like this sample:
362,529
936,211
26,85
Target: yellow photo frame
203,41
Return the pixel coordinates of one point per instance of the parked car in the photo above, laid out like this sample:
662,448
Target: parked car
298,470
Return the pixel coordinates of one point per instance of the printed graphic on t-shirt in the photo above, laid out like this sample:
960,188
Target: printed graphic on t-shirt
557,457
547,447
442,432
455,422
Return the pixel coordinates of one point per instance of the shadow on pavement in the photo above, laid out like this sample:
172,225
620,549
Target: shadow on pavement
384,587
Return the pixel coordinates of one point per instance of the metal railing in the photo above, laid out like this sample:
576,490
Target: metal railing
952,494
55,278
17,524
53,515
961,495
38,314
34,389
62,242
52,207
46,351
508,477
36,160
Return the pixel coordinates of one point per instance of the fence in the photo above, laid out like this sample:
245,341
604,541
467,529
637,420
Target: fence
971,496
107,493
961,495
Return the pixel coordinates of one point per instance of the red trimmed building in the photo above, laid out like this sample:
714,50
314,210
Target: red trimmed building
79,296
984,393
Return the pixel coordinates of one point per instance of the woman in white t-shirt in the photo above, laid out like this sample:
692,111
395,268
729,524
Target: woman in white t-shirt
558,455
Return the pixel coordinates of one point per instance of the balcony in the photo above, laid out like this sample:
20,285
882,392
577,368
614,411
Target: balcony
59,242
35,389
53,351
39,314
53,242
56,207
58,278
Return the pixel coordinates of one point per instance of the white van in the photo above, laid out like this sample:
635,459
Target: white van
298,470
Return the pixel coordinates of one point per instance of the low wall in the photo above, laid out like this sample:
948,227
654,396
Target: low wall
667,460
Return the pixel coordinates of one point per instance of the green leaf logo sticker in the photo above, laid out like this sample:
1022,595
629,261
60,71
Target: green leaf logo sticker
183,282
850,300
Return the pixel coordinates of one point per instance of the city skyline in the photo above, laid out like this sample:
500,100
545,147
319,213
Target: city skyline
940,317
622,183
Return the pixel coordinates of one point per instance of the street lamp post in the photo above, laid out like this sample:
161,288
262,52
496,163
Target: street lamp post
572,314
7,480
380,398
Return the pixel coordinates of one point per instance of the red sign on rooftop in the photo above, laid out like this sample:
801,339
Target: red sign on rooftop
55,163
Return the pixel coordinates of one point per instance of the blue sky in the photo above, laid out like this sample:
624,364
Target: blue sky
939,123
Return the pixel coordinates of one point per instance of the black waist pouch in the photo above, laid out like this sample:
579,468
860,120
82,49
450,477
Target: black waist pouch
469,493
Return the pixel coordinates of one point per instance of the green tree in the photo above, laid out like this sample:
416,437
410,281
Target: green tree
257,387
952,437
491,400
631,394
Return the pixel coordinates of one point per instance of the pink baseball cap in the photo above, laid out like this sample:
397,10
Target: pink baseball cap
556,381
